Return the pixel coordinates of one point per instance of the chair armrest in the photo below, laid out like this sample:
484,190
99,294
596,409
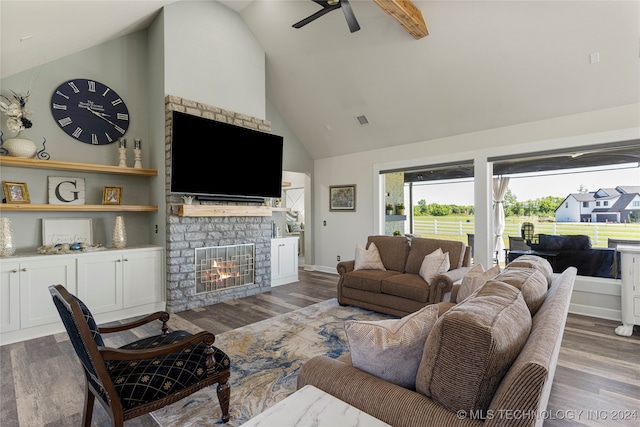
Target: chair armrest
110,353
345,266
158,315
443,283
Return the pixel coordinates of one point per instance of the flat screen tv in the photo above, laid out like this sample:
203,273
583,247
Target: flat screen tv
220,161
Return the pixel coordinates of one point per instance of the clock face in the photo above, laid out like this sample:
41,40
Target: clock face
90,111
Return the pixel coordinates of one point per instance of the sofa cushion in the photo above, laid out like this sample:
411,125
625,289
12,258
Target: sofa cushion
552,242
474,280
536,262
410,286
368,259
530,282
367,280
433,264
420,247
472,346
393,251
391,349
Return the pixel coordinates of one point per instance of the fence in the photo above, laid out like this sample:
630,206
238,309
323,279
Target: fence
599,233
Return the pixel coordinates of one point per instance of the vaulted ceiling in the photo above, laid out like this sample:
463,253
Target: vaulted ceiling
485,64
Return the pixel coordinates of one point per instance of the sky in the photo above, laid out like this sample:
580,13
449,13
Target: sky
533,186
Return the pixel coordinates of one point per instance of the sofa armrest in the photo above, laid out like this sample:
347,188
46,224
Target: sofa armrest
345,266
443,283
375,396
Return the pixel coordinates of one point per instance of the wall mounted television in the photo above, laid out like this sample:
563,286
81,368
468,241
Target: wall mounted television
219,161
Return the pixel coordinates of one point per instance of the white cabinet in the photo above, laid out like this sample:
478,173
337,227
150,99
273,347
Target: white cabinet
9,296
114,284
284,260
141,273
118,279
100,281
24,295
36,304
630,274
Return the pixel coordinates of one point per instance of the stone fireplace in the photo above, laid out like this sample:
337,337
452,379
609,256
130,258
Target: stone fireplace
186,234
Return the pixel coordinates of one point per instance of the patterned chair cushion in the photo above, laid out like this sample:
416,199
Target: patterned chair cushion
93,327
144,381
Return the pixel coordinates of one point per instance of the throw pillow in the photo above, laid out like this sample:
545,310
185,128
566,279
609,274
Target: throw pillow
472,346
433,264
368,259
391,349
474,280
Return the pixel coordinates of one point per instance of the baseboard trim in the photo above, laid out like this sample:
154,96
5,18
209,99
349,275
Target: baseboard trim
598,312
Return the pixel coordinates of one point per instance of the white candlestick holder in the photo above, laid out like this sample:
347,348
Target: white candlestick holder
123,157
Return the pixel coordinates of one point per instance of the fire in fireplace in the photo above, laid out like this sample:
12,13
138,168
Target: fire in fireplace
224,267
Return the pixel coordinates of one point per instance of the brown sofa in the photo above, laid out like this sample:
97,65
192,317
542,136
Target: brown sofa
520,392
399,290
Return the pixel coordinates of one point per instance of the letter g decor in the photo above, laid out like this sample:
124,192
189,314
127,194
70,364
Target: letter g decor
66,190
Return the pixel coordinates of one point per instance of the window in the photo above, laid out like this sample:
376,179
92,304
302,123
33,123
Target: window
585,204
606,203
598,203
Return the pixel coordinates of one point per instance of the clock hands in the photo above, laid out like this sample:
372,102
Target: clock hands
101,115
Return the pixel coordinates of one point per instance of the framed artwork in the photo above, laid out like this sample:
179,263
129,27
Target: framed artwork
66,230
342,198
112,196
16,192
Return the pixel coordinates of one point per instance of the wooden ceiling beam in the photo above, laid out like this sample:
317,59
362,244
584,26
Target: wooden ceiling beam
407,14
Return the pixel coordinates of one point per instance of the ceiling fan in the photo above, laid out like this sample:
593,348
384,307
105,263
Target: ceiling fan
328,6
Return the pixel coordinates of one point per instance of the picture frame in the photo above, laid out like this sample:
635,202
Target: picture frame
342,198
112,196
16,192
66,230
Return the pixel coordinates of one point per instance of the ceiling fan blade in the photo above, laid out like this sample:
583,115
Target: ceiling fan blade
348,14
315,16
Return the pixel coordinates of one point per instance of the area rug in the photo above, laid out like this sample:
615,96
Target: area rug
265,360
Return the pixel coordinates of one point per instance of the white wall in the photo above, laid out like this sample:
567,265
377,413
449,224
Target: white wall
213,58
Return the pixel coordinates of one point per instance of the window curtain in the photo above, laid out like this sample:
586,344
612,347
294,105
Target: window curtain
500,187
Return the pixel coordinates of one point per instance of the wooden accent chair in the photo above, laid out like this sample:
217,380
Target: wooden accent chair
145,375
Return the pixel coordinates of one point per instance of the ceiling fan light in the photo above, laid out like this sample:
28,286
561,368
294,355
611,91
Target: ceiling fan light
332,2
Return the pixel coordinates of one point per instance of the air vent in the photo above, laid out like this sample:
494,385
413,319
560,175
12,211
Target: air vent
362,120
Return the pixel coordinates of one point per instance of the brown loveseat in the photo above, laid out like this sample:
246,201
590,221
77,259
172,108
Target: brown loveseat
399,290
520,392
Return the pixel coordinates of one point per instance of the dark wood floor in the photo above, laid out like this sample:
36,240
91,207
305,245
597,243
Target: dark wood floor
41,383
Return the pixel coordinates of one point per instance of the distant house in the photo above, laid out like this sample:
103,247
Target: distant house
620,204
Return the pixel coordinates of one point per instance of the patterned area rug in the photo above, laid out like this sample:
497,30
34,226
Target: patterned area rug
265,359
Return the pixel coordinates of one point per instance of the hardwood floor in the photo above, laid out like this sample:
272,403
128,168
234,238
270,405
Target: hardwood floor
598,373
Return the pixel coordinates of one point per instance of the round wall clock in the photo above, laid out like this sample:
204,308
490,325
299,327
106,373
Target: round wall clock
90,111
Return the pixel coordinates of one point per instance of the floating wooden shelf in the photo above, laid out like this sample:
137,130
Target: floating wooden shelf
27,207
221,210
73,166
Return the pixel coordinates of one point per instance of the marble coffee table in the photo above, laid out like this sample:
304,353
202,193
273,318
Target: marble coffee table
311,406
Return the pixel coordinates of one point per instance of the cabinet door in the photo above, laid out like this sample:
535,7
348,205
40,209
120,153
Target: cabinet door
287,258
142,277
9,296
100,281
36,305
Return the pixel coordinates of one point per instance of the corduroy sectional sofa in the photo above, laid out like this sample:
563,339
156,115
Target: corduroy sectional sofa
399,289
488,360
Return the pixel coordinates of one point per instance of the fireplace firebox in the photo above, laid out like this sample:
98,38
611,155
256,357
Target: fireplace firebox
224,267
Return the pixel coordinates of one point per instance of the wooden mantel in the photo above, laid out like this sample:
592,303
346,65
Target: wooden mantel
224,210
407,14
